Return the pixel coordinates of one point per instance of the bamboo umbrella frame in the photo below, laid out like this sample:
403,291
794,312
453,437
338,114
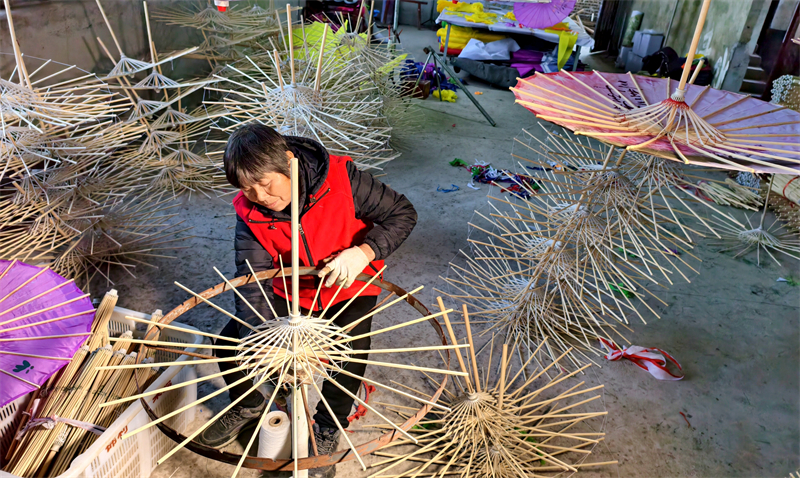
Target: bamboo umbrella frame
743,239
571,261
227,36
689,134
333,103
499,424
294,351
611,212
382,62
503,296
126,236
643,184
126,66
176,169
210,19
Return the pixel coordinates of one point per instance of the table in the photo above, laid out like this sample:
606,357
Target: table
584,39
419,11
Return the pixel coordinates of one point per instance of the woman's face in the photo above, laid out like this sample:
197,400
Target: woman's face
273,190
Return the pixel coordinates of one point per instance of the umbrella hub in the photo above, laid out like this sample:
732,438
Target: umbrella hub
307,349
674,119
759,236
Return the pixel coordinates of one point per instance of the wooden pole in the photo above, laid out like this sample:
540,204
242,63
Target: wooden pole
23,79
295,314
471,349
319,60
290,40
698,30
454,341
766,202
502,384
149,36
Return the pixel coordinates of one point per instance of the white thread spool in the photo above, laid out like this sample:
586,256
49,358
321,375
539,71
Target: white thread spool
273,438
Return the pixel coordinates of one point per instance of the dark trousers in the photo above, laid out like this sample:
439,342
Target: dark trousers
339,401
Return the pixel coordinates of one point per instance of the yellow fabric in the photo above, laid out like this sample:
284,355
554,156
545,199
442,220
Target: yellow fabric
558,26
459,6
482,18
447,95
510,16
460,36
313,34
566,42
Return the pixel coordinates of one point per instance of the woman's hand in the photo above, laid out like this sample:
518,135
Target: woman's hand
347,265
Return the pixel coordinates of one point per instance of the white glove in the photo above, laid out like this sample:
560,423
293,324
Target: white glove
344,268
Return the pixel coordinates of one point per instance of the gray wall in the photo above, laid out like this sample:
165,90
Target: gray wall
66,31
728,36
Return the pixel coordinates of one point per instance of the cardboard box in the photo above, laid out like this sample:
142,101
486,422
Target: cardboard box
647,42
634,63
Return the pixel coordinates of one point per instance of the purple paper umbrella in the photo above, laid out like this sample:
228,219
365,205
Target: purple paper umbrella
44,319
542,15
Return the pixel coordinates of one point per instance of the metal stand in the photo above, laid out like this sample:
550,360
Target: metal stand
446,42
437,61
432,19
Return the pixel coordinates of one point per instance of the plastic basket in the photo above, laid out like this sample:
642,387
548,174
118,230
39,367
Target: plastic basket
136,457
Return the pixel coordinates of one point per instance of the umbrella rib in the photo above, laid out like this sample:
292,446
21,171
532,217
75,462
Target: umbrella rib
20,379
47,357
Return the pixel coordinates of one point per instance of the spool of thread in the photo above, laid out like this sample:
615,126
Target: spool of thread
273,438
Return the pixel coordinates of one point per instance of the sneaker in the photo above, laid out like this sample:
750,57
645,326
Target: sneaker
327,442
228,427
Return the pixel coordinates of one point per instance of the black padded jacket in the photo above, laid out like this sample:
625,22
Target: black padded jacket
392,214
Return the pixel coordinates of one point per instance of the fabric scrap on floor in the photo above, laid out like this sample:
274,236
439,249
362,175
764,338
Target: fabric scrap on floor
647,358
454,188
447,95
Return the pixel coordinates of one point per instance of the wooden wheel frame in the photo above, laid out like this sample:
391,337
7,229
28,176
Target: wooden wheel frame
267,464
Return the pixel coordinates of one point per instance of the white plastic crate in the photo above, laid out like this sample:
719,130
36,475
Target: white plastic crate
136,457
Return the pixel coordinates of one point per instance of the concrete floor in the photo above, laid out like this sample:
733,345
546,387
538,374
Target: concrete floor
733,328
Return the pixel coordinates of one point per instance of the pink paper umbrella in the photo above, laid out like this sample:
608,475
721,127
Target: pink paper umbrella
542,15
726,130
44,319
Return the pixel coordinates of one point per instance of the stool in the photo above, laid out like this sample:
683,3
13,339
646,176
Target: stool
419,11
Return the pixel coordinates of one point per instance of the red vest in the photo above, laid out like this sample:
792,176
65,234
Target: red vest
328,226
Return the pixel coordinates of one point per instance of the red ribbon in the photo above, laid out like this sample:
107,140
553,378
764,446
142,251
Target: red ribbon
361,410
649,359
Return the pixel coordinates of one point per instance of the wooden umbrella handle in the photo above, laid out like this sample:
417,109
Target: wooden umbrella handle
321,54
21,72
295,240
698,29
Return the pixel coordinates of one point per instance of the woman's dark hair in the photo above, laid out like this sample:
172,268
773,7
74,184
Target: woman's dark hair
252,151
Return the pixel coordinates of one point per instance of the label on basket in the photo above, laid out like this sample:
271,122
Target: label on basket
114,440
158,395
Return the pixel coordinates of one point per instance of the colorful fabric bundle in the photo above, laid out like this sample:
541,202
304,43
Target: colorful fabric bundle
411,71
460,36
486,174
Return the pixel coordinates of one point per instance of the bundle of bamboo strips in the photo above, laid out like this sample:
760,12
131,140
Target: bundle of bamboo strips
39,446
102,315
102,386
787,211
77,393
